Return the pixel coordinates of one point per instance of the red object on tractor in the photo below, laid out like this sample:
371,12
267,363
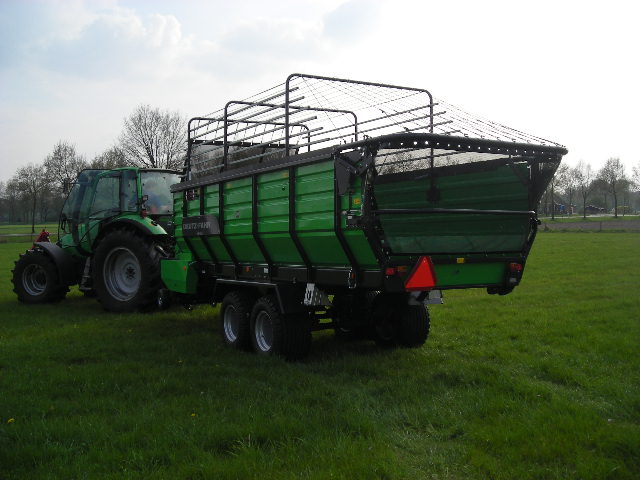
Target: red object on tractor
43,237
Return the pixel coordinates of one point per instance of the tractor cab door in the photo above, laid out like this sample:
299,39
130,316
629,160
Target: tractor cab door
116,192
72,218
97,196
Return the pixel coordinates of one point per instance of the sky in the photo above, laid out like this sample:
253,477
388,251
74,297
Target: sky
74,69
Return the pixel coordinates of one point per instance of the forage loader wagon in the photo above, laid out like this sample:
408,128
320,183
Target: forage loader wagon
356,201
333,203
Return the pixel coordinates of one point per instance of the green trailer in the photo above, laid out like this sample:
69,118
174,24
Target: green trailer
333,203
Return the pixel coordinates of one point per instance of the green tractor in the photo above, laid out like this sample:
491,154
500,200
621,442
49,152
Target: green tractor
114,228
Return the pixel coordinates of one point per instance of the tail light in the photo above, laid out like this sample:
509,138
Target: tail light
515,267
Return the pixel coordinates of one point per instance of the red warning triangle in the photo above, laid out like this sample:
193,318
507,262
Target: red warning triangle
423,276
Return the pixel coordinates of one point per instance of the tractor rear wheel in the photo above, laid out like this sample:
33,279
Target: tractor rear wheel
36,279
127,272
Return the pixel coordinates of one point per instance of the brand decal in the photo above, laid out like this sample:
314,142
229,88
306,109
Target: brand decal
200,225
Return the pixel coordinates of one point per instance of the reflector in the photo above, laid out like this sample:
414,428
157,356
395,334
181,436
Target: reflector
423,276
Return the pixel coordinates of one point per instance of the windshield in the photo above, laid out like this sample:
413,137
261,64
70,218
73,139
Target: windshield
155,185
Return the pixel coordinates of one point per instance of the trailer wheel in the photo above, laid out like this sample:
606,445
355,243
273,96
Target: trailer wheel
36,280
352,317
275,333
235,314
384,321
127,272
395,322
413,326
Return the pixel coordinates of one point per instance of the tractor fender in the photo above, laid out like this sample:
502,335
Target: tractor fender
66,264
145,226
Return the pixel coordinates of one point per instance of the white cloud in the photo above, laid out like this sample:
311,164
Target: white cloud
73,69
351,20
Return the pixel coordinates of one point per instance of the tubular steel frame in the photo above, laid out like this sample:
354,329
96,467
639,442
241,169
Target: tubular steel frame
274,117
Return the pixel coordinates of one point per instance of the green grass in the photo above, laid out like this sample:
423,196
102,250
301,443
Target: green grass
540,384
25,228
17,233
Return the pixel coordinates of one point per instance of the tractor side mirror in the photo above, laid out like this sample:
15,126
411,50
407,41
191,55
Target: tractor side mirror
66,187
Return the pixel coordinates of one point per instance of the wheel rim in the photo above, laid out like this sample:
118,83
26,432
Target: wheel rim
264,332
122,274
34,279
231,321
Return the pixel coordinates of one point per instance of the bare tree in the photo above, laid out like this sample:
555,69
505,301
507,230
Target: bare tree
613,178
584,183
154,138
557,180
63,164
12,194
111,158
3,201
636,177
570,187
30,181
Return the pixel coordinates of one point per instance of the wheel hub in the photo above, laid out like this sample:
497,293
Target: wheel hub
231,323
34,279
122,274
263,331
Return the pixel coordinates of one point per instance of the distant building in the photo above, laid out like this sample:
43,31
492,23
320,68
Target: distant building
591,209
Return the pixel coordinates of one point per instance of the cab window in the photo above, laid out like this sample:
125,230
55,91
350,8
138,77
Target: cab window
106,201
156,186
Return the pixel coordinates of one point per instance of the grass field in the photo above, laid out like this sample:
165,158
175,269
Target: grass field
540,384
13,233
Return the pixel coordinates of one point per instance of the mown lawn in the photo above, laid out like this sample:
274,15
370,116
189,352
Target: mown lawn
12,233
541,384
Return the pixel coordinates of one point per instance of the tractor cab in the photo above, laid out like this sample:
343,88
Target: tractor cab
99,197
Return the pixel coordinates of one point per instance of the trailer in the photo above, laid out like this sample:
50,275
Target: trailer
335,203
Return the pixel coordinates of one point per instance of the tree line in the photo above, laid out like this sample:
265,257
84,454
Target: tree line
156,138
581,189
150,137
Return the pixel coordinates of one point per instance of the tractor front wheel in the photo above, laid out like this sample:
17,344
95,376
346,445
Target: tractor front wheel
127,272
36,279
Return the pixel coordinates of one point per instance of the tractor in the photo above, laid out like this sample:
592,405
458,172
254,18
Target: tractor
114,228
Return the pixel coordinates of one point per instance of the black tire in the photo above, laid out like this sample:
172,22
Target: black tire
384,322
235,319
273,333
36,279
352,315
127,272
396,322
413,326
